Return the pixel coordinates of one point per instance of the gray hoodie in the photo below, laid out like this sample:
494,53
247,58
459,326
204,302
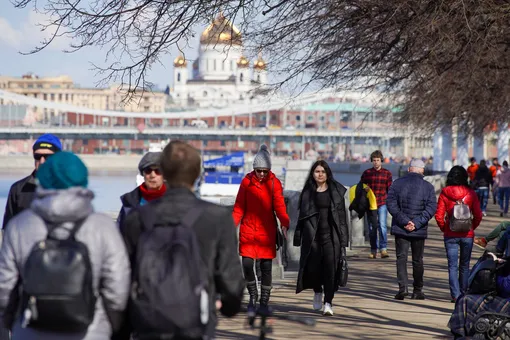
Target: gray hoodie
503,177
110,264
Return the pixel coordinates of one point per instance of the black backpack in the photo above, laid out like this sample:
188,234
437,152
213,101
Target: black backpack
169,295
58,293
482,278
360,204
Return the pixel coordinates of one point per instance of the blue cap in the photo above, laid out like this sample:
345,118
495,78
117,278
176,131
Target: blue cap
48,141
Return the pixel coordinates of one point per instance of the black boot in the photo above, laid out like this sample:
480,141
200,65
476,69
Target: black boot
265,293
254,296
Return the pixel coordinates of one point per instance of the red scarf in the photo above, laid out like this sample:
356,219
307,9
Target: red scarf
150,195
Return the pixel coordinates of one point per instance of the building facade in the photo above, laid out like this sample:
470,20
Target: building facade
221,75
63,90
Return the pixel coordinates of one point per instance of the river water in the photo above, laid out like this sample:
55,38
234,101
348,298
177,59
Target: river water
108,187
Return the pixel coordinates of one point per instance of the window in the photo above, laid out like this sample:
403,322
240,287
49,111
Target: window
60,96
298,118
55,86
52,96
30,86
45,96
178,77
310,118
67,96
223,65
241,77
258,78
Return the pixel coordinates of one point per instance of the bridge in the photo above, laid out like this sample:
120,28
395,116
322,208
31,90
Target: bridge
100,132
443,141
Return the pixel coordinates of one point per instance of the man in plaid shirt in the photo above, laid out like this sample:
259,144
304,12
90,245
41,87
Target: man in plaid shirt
379,180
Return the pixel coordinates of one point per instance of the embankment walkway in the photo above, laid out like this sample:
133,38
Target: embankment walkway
366,308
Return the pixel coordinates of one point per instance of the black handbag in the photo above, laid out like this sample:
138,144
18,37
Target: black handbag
344,270
280,238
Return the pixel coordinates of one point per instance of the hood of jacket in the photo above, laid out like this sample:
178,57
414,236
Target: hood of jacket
456,192
59,206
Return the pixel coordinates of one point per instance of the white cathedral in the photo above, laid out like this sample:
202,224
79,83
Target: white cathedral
221,74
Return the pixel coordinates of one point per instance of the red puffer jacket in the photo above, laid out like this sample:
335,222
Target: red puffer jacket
447,199
254,206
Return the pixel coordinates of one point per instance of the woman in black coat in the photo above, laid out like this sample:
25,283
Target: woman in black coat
322,232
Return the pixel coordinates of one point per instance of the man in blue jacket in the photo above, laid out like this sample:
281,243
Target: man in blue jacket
412,203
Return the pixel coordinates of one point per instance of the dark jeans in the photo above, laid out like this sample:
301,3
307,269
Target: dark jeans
504,198
483,197
266,266
381,227
402,249
328,268
504,244
458,266
4,334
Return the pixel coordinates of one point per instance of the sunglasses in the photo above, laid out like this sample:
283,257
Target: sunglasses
262,171
38,156
148,171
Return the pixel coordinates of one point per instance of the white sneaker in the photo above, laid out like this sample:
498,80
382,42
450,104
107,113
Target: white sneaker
328,310
317,301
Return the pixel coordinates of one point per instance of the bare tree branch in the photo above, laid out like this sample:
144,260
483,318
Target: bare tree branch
438,62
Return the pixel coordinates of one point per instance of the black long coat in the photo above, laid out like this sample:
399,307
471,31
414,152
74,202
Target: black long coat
309,263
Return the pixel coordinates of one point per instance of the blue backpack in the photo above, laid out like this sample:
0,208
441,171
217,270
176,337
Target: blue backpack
169,296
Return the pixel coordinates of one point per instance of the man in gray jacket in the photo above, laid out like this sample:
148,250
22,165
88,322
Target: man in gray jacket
61,201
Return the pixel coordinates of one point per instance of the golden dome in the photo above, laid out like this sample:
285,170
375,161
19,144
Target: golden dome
243,62
259,64
180,61
221,31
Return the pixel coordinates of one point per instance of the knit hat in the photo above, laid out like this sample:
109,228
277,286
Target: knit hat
62,171
262,158
149,159
47,141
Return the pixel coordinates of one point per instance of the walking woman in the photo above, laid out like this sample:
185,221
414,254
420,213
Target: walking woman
457,190
322,232
482,183
260,196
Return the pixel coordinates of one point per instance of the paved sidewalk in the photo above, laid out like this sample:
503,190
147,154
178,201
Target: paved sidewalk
366,309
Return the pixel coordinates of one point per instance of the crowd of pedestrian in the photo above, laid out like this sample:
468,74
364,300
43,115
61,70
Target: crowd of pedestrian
171,260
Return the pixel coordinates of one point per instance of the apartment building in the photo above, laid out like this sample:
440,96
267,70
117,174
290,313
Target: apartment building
62,89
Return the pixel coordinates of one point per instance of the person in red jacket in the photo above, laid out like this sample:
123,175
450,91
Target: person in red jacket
260,196
457,188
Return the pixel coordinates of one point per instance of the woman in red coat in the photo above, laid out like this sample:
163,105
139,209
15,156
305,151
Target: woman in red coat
259,197
457,189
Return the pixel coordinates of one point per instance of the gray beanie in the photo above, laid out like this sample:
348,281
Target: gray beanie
262,158
149,159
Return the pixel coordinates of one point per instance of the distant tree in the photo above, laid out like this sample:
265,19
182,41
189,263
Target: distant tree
438,62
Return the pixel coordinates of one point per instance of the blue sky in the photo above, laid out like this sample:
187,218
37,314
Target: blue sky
19,32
